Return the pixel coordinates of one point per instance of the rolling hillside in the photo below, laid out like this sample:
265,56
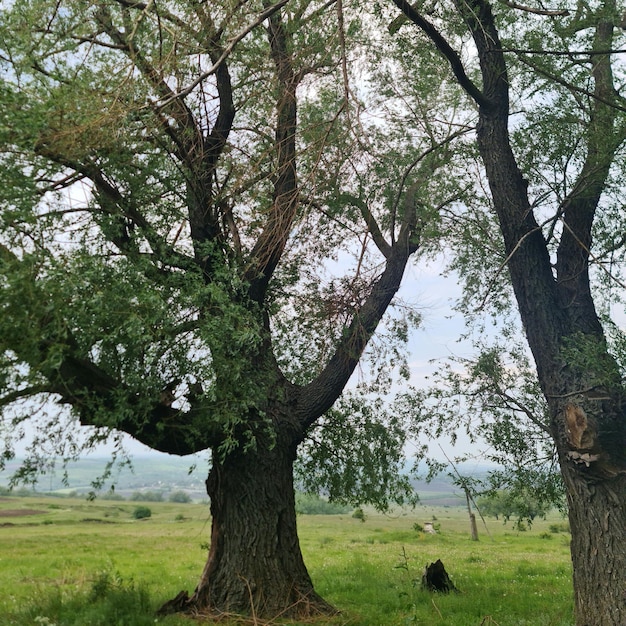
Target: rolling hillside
164,474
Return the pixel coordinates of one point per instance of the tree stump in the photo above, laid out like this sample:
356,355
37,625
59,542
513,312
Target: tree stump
435,578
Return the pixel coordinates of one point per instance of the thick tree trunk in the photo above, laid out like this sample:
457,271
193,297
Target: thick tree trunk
589,433
255,566
597,515
577,375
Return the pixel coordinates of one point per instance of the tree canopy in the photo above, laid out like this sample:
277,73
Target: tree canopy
207,211
181,184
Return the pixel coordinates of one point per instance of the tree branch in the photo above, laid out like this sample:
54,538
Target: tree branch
580,206
101,401
270,245
372,224
26,392
118,207
446,50
188,138
320,394
527,9
225,53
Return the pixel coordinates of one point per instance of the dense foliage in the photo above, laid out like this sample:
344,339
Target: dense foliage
207,212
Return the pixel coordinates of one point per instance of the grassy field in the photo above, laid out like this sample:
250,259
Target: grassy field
69,562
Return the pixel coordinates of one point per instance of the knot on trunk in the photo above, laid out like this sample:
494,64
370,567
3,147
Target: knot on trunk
596,448
580,434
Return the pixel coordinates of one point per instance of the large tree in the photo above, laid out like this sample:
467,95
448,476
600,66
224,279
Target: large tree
556,187
204,221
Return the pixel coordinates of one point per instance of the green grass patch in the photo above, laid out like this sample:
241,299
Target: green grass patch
92,563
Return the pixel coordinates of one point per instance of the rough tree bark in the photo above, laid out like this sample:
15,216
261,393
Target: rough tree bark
577,374
255,566
588,416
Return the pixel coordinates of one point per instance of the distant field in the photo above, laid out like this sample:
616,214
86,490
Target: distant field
69,562
158,472
164,473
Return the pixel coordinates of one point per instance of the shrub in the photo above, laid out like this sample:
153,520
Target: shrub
147,496
112,495
312,504
180,497
142,512
359,514
563,527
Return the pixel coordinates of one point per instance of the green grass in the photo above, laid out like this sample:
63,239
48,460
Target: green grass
91,563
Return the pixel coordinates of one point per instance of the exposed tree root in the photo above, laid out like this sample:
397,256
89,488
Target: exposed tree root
306,608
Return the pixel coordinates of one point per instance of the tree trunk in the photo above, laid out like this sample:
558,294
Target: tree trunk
255,566
597,515
472,517
580,381
590,439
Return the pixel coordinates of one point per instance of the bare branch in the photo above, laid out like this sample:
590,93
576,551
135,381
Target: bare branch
563,53
225,54
419,159
574,88
527,9
446,49
372,225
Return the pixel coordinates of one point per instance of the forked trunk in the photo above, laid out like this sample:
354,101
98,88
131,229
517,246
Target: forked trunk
255,566
597,515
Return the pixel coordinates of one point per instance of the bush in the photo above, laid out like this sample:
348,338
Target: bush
312,504
142,512
359,514
147,496
180,497
563,527
112,495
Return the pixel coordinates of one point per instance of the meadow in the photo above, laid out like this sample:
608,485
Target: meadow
70,562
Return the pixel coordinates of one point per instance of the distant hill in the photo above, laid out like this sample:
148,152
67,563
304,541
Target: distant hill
158,473
164,474
441,491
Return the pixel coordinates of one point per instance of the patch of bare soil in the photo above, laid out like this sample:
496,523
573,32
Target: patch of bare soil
19,512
